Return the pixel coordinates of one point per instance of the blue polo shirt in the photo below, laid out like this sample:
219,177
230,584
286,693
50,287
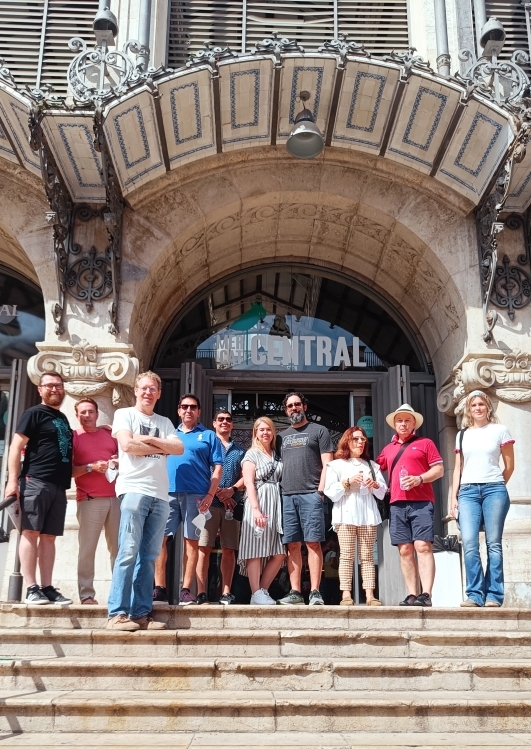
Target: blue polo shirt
191,471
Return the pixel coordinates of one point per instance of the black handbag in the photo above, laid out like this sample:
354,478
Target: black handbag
383,507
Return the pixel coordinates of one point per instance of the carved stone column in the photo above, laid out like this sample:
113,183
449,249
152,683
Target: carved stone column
506,378
105,373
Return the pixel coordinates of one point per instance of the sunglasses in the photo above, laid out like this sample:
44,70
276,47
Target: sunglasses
224,418
294,405
186,406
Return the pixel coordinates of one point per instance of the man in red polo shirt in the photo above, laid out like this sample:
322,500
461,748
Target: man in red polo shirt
414,464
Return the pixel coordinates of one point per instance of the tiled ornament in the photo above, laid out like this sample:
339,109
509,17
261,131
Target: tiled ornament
477,149
313,74
426,111
14,113
5,147
366,97
246,90
133,137
520,188
187,107
72,140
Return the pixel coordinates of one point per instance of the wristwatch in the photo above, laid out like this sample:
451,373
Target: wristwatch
88,468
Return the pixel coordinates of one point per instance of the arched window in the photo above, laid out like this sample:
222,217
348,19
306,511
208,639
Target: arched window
21,317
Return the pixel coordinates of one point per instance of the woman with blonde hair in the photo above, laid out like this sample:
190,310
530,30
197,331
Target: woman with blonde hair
261,550
479,496
352,482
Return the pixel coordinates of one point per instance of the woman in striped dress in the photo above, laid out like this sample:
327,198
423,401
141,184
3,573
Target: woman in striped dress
261,551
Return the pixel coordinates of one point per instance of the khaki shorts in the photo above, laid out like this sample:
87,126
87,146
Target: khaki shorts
229,530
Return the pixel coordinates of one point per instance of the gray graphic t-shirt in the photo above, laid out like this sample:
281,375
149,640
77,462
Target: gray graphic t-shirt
301,455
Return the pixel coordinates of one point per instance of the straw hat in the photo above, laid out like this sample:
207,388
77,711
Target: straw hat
405,409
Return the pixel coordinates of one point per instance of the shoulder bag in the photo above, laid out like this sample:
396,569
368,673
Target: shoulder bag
383,504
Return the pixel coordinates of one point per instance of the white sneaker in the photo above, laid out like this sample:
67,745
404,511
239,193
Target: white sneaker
262,598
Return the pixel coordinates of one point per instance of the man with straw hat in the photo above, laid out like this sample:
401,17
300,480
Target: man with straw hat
412,463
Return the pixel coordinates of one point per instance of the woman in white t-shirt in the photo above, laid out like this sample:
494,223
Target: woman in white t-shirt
352,482
479,496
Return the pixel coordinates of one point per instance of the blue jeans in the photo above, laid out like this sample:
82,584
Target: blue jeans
487,504
140,537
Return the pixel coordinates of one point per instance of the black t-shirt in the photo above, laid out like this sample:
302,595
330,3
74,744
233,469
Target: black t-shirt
301,457
48,454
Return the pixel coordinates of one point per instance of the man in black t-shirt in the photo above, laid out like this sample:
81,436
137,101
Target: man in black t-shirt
45,435
306,449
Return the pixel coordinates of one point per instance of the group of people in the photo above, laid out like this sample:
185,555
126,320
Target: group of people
142,478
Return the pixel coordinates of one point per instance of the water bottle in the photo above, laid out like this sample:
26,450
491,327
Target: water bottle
364,492
403,475
229,515
258,530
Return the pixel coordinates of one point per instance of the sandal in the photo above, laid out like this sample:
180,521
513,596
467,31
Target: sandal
346,602
89,601
374,602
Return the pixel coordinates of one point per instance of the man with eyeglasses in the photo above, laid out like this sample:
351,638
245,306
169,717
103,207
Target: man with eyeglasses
145,440
222,519
306,449
194,478
44,434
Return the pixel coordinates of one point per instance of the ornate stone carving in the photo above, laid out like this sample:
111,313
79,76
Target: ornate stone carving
344,47
409,61
505,375
276,45
89,370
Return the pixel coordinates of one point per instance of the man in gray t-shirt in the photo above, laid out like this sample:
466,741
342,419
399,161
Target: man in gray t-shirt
306,449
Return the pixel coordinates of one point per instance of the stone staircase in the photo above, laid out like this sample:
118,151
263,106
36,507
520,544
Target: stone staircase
247,676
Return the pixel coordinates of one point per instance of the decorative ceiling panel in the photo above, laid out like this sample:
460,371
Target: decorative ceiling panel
246,90
367,93
187,114
14,112
476,150
5,147
421,124
313,74
71,138
520,188
133,137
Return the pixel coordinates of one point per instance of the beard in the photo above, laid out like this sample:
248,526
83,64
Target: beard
296,418
53,399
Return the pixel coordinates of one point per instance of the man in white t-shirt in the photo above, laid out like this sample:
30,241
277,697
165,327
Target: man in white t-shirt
145,439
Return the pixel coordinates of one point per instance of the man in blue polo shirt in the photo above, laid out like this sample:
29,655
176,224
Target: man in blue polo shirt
194,478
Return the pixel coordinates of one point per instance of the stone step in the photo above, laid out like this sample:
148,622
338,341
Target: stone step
271,711
279,617
267,740
257,674
31,643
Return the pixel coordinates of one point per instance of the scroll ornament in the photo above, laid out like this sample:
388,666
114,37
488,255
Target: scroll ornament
89,370
506,376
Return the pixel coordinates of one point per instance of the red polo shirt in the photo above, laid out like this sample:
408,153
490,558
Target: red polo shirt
417,458
88,448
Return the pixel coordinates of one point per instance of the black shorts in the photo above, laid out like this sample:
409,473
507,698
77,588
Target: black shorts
43,506
411,521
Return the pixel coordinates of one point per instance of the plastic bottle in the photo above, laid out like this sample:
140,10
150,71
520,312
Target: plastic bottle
364,492
229,514
403,475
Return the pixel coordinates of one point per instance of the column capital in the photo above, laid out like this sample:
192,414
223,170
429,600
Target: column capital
88,369
505,375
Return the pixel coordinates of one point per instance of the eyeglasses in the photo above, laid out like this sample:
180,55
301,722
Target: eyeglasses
294,405
52,387
358,439
186,406
151,390
224,418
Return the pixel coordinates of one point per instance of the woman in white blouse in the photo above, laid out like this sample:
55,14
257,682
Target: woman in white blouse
352,486
479,496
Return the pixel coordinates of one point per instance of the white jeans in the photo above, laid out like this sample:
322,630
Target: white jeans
93,516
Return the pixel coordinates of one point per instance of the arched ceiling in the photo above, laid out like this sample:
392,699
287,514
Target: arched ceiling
396,108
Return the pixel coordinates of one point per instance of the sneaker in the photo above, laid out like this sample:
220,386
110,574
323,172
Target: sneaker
490,604
55,596
293,598
122,623
147,622
262,598
90,601
423,600
227,599
202,598
409,600
35,596
186,598
469,604
316,599
160,594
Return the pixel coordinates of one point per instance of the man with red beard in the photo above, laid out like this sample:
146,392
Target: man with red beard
45,434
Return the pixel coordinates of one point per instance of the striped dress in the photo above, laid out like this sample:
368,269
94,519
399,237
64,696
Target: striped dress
270,543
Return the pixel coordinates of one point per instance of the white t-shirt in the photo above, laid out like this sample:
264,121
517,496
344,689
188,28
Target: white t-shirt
481,453
142,474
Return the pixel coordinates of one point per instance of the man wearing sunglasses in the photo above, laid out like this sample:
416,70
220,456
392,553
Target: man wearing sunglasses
222,519
45,435
194,478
